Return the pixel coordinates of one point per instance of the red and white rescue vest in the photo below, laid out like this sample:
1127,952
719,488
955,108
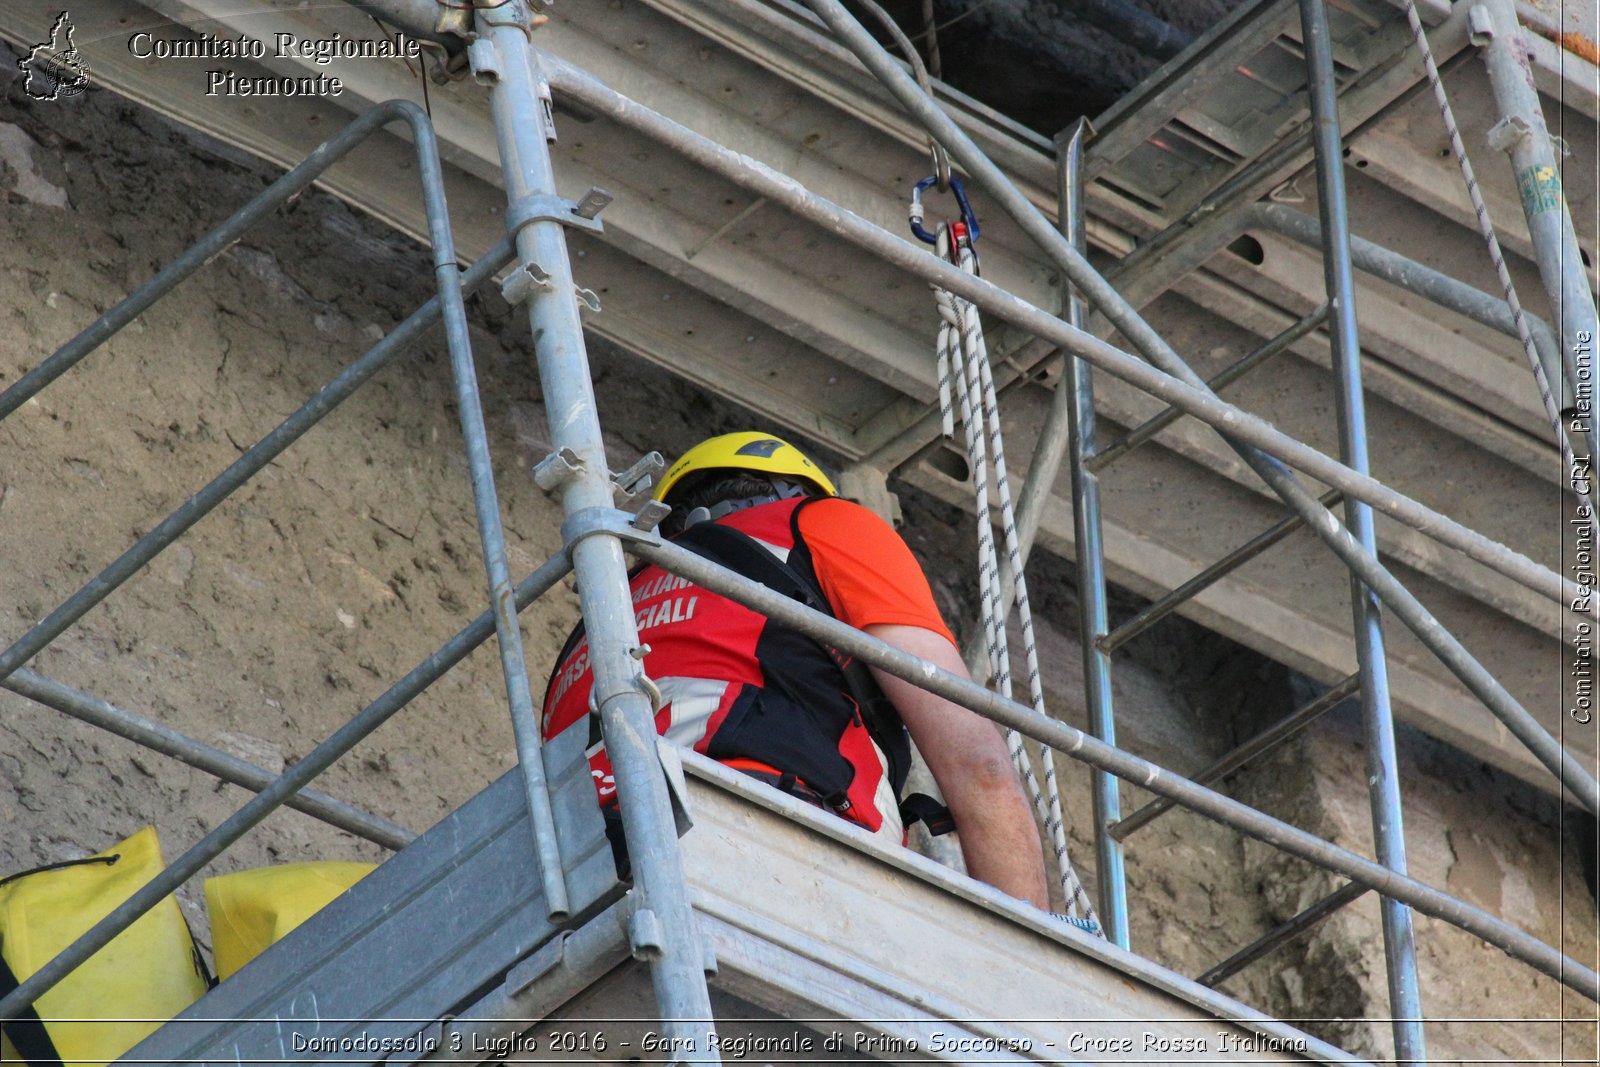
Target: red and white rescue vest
743,690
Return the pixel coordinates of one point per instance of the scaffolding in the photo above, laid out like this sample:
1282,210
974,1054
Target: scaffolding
537,831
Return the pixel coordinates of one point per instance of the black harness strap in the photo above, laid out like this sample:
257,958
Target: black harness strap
920,807
740,552
109,861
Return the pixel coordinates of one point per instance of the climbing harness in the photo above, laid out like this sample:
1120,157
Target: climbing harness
966,387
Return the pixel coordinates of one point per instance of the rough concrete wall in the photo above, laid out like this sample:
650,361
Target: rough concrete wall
355,554
299,600
1471,830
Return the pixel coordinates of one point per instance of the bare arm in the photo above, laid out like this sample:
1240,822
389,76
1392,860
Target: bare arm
973,768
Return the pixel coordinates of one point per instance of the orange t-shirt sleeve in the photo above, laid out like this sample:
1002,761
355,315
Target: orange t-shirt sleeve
866,571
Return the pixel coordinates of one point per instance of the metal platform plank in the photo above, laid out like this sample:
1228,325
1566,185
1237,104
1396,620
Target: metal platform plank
1184,79
829,945
815,918
410,942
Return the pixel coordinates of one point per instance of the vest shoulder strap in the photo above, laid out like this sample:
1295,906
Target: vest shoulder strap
740,552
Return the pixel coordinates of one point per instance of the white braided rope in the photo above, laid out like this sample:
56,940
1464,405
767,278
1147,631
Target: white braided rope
949,323
1486,227
994,631
963,360
973,340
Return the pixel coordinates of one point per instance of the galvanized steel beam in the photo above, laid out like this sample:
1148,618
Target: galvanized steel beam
1383,771
504,60
1074,397
1244,428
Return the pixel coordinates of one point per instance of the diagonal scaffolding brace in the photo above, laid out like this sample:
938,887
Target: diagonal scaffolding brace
661,926
1081,746
1258,437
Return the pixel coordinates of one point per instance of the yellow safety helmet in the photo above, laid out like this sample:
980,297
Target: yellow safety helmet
748,450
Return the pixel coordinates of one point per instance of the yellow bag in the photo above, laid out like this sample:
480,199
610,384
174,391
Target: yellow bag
251,910
146,975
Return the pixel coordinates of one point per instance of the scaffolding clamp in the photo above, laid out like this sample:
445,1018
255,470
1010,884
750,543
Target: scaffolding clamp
530,278
484,60
1504,135
644,935
635,514
581,214
557,469
1480,26
523,282
587,522
630,490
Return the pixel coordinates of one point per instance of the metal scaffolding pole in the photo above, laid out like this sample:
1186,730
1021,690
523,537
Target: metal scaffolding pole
785,192
1204,405
491,536
1522,134
306,416
1245,364
1080,746
208,248
1141,278
1270,469
1283,933
275,795
201,756
1383,783
1434,286
662,929
1076,391
1265,741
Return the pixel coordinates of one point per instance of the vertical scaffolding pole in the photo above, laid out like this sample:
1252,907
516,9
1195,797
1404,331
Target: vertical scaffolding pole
661,928
1143,337
1388,830
492,537
1521,133
1076,394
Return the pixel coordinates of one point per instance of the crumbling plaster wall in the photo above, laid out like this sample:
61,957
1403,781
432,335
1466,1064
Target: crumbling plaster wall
355,554
1488,838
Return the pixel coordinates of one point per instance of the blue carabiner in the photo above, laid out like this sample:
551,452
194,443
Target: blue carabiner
967,216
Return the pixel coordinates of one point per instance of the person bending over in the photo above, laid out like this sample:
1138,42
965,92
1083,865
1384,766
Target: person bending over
786,708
